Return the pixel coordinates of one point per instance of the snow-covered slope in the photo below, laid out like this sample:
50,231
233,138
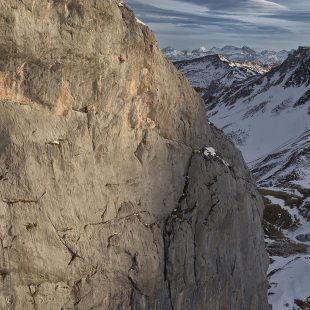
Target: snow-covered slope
288,164
214,72
262,113
285,178
290,283
243,54
287,235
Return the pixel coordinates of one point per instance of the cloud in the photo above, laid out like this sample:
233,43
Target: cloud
174,5
295,16
238,4
256,23
267,5
158,14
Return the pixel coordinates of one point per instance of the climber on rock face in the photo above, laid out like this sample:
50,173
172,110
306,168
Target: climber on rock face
121,58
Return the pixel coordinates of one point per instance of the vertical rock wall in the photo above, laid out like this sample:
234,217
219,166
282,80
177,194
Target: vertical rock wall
108,199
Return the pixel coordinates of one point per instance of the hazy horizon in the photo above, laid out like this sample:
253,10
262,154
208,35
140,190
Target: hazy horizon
258,24
209,47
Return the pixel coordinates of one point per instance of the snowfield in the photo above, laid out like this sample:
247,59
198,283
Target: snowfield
267,119
291,160
289,282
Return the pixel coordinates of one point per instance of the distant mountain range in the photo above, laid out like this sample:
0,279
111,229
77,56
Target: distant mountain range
243,54
212,73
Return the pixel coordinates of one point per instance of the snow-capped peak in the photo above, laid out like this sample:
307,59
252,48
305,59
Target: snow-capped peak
201,49
243,54
215,72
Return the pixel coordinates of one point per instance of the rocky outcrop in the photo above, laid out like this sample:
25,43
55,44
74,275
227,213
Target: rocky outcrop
108,199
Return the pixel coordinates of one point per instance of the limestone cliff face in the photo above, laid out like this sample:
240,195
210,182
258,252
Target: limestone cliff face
107,198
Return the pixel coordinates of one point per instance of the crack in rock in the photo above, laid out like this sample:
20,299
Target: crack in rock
12,201
177,213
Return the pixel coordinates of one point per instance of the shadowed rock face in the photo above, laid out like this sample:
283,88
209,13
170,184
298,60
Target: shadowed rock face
107,200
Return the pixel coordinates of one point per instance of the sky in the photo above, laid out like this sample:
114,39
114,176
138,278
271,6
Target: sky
259,24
